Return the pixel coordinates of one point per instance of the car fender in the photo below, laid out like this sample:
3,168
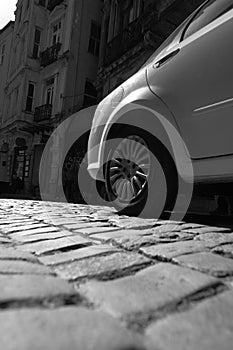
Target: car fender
143,109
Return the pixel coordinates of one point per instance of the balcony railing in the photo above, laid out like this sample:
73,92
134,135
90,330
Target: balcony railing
53,3
43,113
50,55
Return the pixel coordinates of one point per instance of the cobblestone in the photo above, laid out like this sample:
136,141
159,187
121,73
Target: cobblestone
171,250
216,237
226,249
16,288
16,228
207,262
78,254
26,232
10,253
42,236
146,291
56,244
81,277
22,267
64,329
208,326
107,266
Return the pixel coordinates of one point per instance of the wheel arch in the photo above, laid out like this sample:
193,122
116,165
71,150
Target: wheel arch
148,113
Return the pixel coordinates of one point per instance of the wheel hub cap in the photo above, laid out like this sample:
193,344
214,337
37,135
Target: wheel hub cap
129,168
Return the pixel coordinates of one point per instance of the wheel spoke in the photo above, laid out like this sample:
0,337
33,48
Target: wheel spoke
141,174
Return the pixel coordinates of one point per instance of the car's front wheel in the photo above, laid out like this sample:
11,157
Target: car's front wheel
140,175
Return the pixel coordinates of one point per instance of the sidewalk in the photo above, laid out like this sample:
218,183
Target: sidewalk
81,277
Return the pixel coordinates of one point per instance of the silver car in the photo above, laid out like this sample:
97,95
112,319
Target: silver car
171,122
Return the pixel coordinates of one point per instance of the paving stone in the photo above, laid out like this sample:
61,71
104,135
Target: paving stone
207,262
110,235
58,221
134,223
16,223
225,249
84,225
78,254
56,244
207,326
95,230
164,228
42,236
4,240
135,242
40,230
17,228
107,266
9,253
147,290
29,287
189,225
171,250
207,229
64,329
216,237
22,267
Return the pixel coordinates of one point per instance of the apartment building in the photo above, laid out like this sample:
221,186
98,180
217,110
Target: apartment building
6,35
131,32
50,41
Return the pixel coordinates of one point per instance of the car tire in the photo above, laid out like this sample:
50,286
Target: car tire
148,185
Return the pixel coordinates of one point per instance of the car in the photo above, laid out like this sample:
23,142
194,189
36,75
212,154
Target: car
171,123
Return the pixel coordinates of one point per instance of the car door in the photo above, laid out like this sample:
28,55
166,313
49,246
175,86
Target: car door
195,80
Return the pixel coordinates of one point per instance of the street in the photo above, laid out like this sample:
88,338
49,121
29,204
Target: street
81,277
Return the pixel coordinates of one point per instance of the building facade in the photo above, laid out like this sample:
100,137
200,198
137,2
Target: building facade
50,41
131,32
6,35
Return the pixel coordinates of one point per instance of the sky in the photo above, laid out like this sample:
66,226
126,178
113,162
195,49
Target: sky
7,8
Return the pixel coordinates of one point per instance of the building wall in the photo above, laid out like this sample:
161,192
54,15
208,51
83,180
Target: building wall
20,129
6,34
83,64
50,57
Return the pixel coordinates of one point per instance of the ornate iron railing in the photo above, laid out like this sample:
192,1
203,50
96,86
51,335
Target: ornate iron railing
43,113
50,55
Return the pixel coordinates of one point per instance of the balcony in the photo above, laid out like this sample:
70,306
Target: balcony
43,113
53,3
50,55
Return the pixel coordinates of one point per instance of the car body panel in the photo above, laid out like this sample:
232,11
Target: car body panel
198,90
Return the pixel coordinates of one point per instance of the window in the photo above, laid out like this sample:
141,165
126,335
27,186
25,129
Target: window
30,97
56,33
36,45
2,52
94,41
90,94
122,14
49,91
208,13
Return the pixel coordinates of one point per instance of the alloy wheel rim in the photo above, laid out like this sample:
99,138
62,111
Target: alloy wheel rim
129,168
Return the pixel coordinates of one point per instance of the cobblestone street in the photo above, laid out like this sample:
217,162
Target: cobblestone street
81,277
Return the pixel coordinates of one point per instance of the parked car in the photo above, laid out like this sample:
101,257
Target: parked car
189,82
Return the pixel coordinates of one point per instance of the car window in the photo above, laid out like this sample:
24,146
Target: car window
208,13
